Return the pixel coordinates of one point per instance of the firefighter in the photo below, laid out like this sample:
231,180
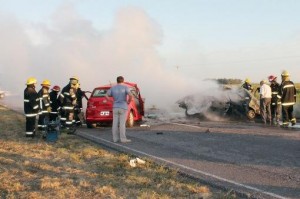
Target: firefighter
68,102
247,85
275,102
44,104
54,103
31,106
287,95
78,108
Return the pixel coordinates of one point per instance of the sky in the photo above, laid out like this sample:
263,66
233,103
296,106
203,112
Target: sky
168,47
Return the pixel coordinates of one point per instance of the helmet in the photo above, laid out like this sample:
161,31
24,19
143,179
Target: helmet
31,80
46,83
74,78
285,73
56,88
247,80
272,78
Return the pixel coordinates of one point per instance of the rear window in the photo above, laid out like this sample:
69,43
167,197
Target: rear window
99,93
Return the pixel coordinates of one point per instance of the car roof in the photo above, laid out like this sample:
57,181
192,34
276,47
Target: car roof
107,86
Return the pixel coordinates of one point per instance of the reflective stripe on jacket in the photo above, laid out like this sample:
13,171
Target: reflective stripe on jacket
287,93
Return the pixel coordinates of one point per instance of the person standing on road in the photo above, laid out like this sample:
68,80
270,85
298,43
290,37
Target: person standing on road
119,92
265,102
287,94
31,106
275,102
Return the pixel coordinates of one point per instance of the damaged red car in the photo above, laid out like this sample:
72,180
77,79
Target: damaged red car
99,109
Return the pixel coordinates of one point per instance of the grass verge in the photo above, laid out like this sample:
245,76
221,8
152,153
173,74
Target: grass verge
76,168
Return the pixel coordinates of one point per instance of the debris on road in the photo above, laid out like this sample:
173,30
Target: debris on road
135,161
145,125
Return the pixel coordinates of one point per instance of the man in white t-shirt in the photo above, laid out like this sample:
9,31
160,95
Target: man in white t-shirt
265,102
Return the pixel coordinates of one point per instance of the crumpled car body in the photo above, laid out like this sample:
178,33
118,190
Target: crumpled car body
230,103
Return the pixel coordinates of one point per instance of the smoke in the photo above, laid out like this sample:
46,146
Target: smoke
213,102
70,45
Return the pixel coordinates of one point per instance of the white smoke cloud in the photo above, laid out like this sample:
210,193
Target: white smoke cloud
69,45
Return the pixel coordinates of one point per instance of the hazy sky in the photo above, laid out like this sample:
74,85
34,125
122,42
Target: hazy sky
169,45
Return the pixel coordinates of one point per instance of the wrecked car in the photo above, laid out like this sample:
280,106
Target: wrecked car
231,103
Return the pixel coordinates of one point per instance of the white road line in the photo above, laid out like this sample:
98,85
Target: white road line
192,169
197,127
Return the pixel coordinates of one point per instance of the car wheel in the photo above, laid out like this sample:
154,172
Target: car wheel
90,125
251,114
130,120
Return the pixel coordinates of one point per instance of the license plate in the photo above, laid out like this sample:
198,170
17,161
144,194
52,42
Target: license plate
104,113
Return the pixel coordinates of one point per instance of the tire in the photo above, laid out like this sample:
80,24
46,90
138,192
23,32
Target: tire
251,114
90,125
130,120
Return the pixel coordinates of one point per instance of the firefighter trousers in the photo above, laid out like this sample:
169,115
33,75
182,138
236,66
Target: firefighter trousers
276,112
30,126
288,115
67,117
42,120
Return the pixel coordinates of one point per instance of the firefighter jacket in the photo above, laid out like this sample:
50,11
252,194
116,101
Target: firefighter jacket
31,101
80,94
54,102
247,86
68,97
44,100
275,87
287,93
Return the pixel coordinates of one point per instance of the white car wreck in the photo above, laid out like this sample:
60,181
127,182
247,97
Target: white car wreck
230,103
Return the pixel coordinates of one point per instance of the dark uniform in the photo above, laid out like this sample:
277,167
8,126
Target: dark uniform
78,108
44,107
68,102
287,94
31,107
275,102
54,103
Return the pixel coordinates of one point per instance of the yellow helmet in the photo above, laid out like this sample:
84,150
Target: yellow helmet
31,80
285,73
247,80
74,78
46,83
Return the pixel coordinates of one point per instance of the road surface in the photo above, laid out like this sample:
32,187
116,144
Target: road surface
254,160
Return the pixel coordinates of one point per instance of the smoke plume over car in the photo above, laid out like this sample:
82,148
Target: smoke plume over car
70,45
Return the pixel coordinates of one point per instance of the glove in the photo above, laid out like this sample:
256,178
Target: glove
49,109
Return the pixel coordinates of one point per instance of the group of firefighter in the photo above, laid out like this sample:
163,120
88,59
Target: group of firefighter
281,101
61,106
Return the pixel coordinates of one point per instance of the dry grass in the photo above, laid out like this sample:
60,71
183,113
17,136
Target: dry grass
76,168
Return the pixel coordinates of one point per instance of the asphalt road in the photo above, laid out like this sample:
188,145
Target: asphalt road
256,161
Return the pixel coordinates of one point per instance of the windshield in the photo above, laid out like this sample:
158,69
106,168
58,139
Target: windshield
99,93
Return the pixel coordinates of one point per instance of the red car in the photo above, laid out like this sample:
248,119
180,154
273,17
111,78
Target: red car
99,109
